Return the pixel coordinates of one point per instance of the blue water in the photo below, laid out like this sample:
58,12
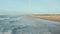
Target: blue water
26,25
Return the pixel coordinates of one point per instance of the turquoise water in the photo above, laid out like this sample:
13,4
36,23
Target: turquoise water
26,25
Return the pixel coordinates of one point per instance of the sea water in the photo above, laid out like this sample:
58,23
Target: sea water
26,25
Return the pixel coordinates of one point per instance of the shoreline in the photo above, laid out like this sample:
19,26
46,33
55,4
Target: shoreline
47,17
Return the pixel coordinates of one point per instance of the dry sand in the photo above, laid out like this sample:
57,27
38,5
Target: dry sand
54,17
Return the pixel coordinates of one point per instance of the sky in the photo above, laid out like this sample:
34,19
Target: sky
29,7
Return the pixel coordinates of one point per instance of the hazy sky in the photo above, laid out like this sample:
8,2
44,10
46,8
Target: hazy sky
29,6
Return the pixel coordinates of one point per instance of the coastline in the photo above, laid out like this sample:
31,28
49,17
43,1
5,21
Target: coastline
53,17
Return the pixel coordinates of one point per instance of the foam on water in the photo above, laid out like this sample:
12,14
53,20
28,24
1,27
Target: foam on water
26,25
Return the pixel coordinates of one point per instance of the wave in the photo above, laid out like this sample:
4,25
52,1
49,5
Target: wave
26,25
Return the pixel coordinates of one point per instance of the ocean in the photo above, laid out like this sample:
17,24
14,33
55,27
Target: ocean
27,25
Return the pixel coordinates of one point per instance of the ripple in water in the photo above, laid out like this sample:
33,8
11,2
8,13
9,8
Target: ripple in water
26,25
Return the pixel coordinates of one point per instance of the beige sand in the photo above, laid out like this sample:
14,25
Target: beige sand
55,17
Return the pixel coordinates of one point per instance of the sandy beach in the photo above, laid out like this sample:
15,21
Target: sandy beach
53,17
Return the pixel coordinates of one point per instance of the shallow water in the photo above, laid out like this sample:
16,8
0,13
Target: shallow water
26,25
